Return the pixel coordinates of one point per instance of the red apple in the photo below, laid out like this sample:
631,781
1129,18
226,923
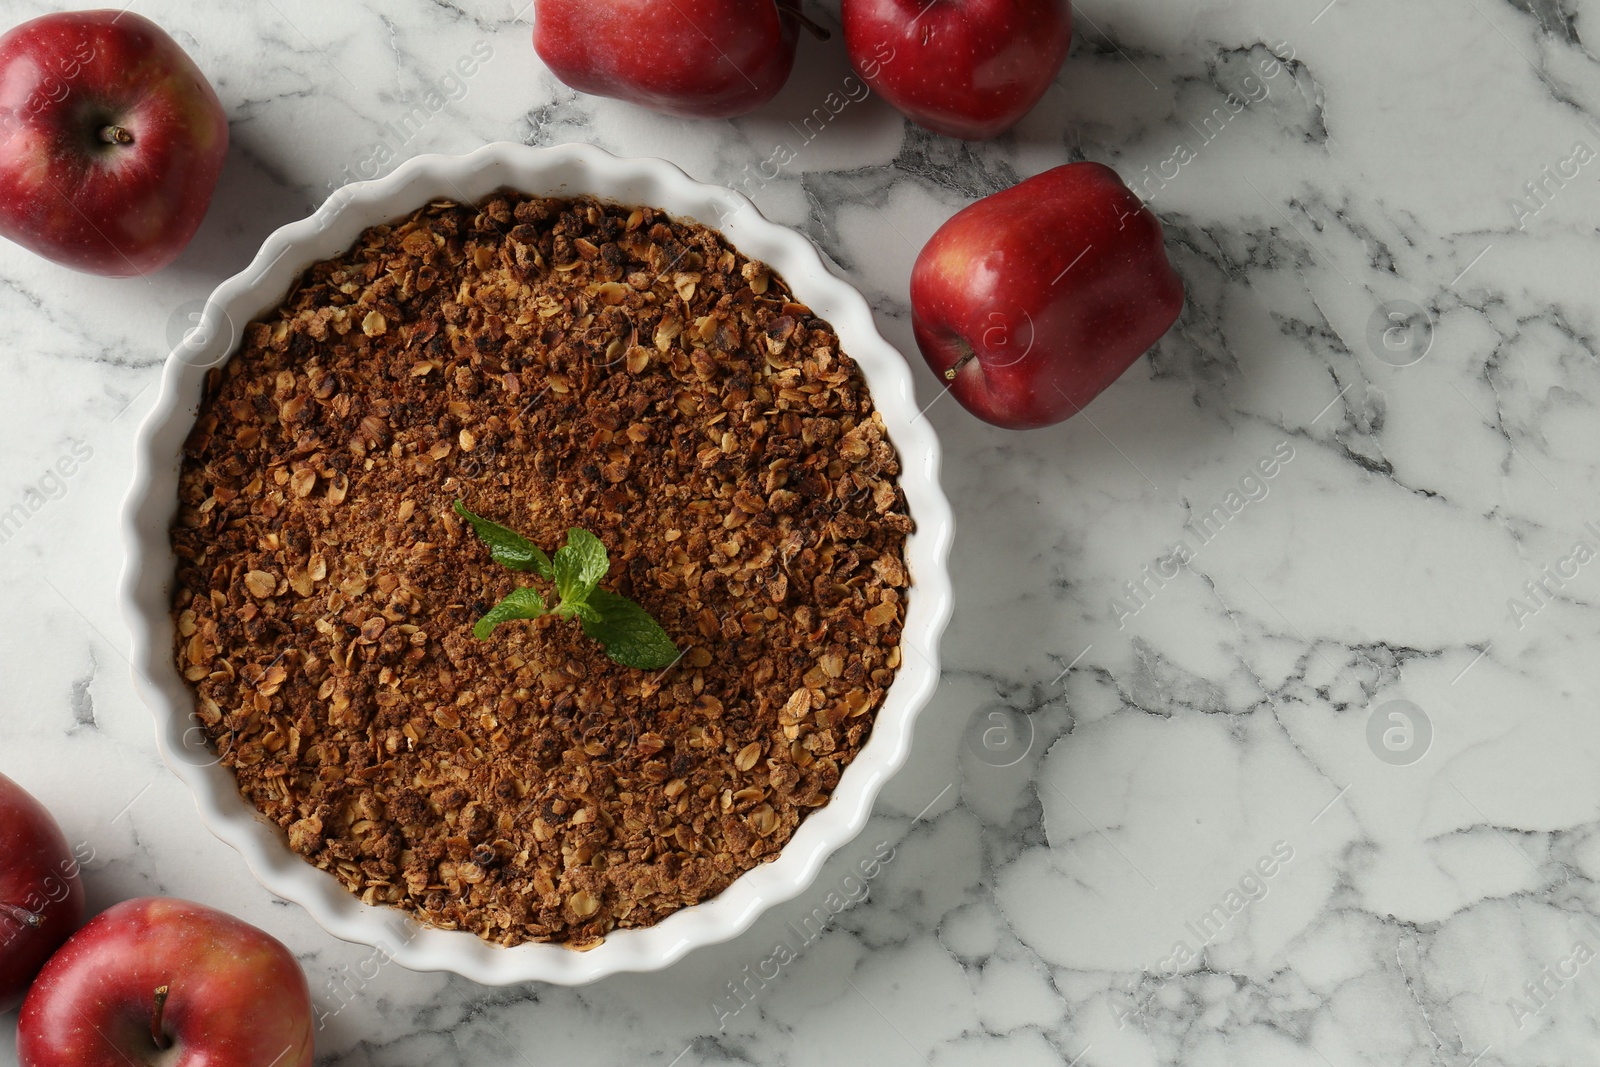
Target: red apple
963,68
168,982
696,58
111,141
41,896
1033,300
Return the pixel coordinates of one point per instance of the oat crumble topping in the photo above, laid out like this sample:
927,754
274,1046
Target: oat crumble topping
553,363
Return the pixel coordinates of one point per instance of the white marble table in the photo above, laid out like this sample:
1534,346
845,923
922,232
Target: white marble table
1204,831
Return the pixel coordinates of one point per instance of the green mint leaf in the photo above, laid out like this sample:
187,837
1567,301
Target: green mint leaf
507,547
579,566
630,636
523,603
578,609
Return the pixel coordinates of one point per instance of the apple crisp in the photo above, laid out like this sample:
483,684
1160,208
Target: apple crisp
552,363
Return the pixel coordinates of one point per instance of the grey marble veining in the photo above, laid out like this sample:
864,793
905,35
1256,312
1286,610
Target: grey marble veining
1296,768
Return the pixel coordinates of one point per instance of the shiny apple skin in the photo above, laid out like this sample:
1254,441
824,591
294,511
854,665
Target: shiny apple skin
691,58
237,997
1055,286
39,876
111,209
963,68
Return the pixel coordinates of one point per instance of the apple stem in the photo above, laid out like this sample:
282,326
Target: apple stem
115,135
22,916
950,374
792,7
158,1032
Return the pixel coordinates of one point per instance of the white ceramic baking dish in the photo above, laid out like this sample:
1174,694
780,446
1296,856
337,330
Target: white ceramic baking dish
152,500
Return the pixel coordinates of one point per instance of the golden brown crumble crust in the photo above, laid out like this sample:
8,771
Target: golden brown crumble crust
552,363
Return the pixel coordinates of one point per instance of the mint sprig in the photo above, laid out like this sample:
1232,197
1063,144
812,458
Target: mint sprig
628,633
